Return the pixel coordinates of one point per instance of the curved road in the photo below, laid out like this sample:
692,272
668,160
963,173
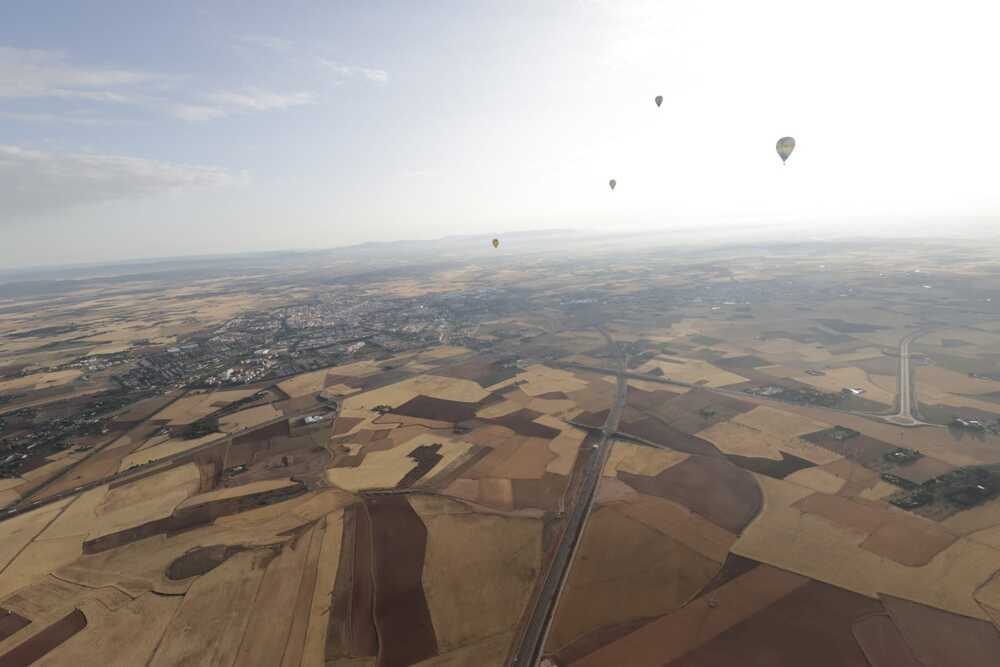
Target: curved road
531,642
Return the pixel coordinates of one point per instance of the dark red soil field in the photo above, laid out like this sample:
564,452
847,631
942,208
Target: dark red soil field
735,363
553,396
734,566
521,422
35,647
591,419
351,630
657,432
881,642
201,560
486,371
592,641
810,626
439,409
11,622
458,467
777,469
714,488
338,629
426,457
406,633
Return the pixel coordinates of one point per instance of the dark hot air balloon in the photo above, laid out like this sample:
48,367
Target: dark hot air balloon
658,99
496,243
785,147
612,183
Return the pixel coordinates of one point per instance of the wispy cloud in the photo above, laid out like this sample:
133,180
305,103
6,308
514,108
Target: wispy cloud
344,71
72,117
32,73
36,182
258,99
268,42
232,102
196,112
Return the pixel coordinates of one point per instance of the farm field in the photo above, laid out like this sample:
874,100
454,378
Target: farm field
372,462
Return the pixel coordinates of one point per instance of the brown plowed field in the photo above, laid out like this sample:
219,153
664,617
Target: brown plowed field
862,449
11,622
592,419
544,493
37,646
649,401
735,566
624,571
192,516
684,413
900,537
672,636
553,396
426,457
438,409
589,643
405,631
777,469
881,642
811,626
732,503
522,422
938,637
352,627
656,431
484,370
909,541
344,424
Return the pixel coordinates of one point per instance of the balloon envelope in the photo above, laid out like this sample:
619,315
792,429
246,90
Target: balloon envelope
785,147
496,243
612,183
658,99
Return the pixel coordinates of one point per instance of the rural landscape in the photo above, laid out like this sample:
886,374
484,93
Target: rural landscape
568,451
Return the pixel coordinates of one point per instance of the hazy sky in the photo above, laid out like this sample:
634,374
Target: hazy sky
133,129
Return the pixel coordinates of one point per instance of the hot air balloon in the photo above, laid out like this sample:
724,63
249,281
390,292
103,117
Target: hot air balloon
658,99
612,183
785,147
496,243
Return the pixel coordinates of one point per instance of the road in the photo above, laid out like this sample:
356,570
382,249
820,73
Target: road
532,639
905,399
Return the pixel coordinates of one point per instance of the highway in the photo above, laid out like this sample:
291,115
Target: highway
531,641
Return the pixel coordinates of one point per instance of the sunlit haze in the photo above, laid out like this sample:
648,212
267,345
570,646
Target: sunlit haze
134,130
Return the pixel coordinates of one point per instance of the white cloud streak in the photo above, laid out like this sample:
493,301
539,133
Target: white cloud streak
32,73
231,102
268,42
34,182
344,71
